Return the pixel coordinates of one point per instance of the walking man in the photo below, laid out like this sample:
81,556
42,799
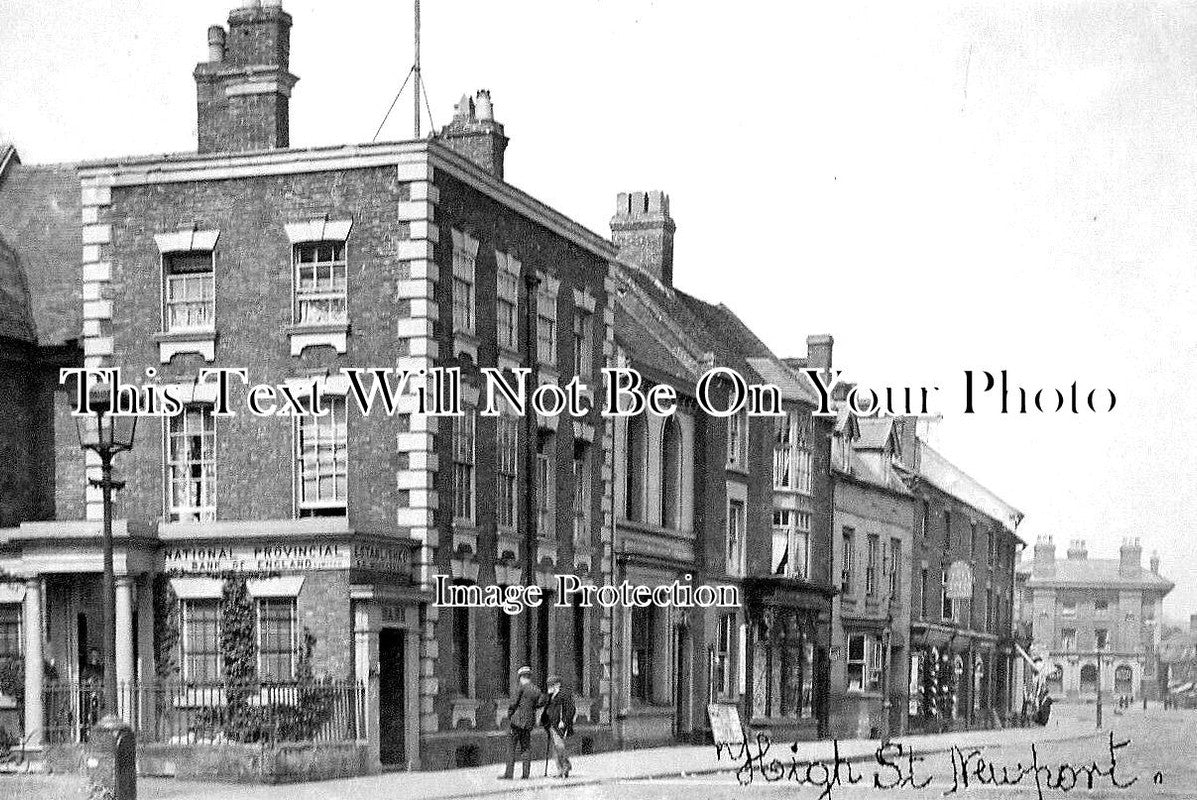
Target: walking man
558,720
521,718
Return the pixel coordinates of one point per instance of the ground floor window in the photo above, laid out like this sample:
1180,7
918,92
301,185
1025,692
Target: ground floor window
643,652
277,646
276,631
725,642
10,629
200,641
866,660
783,664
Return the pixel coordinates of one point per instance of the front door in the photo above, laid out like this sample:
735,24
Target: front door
681,683
391,697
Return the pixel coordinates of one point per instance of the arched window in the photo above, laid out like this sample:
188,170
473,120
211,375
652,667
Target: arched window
671,474
1123,676
637,454
1089,678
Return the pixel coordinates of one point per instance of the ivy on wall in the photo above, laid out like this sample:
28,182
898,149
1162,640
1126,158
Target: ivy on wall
166,629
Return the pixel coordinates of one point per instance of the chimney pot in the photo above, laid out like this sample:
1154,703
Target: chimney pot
483,106
474,133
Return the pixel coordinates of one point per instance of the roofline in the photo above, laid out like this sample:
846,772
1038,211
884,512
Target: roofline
1016,513
1042,582
187,167
919,476
10,156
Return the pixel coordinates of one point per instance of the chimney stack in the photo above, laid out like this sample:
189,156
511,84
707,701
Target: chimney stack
818,350
243,90
1045,556
1077,550
1155,563
475,134
1130,558
642,230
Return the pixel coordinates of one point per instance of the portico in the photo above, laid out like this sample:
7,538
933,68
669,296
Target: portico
55,571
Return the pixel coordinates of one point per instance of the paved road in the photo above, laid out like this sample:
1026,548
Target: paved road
1155,743
1159,760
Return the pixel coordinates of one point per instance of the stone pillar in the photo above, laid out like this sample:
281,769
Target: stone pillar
411,666
365,671
34,670
124,647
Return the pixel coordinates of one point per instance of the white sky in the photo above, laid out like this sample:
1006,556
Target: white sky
940,187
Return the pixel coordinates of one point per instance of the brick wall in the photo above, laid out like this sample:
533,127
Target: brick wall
323,607
253,310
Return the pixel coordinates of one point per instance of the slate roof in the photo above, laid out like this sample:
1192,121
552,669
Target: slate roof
874,432
41,222
866,471
1097,572
740,346
946,476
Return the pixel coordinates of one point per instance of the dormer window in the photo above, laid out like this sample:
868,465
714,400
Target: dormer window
320,283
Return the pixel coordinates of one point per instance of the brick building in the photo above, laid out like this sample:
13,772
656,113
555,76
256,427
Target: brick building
781,482
874,522
293,264
740,501
961,650
1079,609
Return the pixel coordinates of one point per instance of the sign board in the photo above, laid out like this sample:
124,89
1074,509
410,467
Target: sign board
960,581
725,723
287,556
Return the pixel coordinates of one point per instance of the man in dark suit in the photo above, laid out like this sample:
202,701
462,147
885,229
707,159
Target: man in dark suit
521,718
558,720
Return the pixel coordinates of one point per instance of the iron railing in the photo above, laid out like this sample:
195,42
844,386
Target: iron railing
196,713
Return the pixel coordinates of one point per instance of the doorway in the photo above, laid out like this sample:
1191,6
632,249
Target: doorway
392,696
681,682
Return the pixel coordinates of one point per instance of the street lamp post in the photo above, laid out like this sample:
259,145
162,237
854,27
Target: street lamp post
1099,688
106,434
887,676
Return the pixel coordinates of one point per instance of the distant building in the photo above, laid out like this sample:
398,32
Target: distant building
1078,608
1178,666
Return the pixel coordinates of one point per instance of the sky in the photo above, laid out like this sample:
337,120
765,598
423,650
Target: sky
941,186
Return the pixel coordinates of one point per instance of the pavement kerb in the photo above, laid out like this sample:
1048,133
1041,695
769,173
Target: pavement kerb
542,784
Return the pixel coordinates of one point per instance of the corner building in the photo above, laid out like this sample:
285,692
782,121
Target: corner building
292,264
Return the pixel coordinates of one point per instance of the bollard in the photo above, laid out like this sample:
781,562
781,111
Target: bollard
111,759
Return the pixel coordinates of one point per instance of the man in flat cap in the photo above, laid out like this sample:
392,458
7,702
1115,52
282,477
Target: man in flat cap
558,721
521,718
